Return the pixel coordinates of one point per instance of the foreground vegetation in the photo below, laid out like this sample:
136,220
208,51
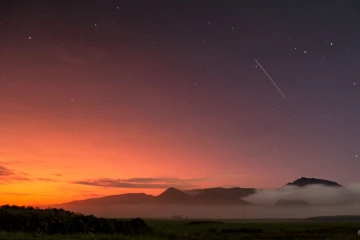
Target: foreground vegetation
55,224
58,221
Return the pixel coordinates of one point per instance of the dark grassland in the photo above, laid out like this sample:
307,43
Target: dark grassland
54,224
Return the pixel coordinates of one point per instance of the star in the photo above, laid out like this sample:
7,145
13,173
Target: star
30,38
354,83
331,44
356,155
305,51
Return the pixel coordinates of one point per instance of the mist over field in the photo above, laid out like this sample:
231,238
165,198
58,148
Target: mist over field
221,212
322,200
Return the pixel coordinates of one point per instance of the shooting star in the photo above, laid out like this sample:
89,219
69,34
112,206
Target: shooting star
270,78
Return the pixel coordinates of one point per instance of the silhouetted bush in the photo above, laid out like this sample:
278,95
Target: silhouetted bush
59,221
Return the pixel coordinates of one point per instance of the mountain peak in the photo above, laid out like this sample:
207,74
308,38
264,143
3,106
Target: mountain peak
304,181
173,195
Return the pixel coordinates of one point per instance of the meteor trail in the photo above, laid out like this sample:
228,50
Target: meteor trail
270,78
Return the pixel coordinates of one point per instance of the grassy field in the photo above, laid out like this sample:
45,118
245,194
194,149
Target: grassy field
224,230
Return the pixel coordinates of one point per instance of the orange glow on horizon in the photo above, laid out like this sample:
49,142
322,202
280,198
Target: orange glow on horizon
51,159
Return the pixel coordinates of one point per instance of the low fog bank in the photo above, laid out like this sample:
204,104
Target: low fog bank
314,194
220,212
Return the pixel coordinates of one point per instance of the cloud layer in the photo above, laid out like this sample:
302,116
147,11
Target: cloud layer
141,182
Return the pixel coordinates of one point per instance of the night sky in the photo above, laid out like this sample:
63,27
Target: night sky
107,97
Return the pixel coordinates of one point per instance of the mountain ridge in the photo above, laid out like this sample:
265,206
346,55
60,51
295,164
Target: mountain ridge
205,196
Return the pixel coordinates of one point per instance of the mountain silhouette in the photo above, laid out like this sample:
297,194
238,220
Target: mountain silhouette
303,181
128,198
207,196
305,191
235,192
216,196
173,195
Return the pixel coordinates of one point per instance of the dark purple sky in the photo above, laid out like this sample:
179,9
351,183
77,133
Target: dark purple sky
152,91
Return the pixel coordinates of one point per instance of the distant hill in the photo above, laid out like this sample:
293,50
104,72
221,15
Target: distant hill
128,198
303,181
235,192
169,196
315,191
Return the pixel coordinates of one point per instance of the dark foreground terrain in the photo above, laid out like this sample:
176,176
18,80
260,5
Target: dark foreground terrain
29,223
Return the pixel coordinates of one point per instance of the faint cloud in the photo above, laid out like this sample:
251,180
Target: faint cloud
19,178
58,174
7,175
141,182
21,162
5,171
47,179
157,180
16,194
